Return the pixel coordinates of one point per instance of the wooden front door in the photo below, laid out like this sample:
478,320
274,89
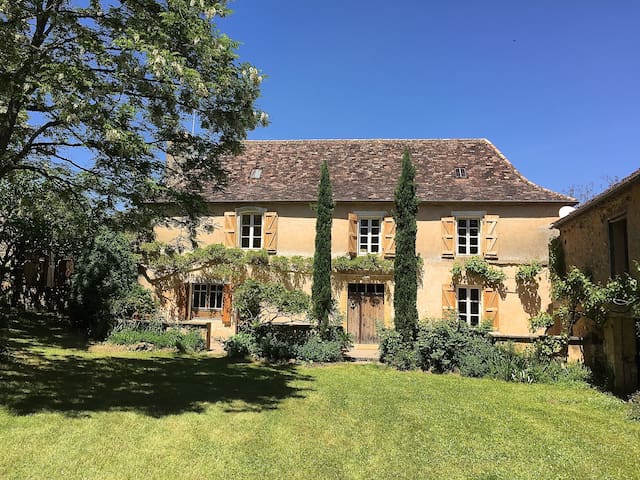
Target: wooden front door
365,308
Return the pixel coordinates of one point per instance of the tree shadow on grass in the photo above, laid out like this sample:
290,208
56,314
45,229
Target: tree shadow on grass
78,385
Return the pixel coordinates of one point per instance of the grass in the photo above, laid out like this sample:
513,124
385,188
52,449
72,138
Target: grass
66,412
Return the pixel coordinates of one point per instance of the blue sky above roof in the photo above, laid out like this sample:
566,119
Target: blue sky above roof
552,84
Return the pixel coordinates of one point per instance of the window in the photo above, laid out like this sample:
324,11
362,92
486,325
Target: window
367,288
369,235
206,297
460,172
469,305
251,230
618,247
468,236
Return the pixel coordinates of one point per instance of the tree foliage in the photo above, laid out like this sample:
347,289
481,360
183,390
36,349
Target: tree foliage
116,80
105,275
321,288
405,273
35,220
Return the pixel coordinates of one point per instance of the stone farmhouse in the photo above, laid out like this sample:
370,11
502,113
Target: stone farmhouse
473,203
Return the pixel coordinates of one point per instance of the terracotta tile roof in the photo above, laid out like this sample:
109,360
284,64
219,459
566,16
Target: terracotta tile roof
367,170
612,191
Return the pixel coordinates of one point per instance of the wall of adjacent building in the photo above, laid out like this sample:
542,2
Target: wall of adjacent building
585,243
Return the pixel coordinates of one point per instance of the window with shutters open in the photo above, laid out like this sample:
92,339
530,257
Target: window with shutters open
468,236
470,233
251,231
369,235
469,305
205,296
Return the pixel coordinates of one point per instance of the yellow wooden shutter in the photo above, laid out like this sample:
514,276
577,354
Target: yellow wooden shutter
230,229
227,305
271,231
448,237
490,302
352,248
490,236
389,237
448,300
183,301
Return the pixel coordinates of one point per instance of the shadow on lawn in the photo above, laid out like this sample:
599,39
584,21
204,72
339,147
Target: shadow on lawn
76,385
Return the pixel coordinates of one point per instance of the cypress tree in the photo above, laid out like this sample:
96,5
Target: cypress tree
405,267
321,299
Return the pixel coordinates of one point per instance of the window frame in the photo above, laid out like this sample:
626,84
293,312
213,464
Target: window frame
369,235
467,315
206,294
468,236
252,212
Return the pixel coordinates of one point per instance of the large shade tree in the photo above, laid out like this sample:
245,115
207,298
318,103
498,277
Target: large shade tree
94,95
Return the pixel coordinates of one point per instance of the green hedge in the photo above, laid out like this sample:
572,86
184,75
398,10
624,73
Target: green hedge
190,341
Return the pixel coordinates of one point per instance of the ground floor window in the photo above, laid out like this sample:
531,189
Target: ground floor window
206,296
469,305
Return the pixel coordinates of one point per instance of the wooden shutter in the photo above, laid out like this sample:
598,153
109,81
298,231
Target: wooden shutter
490,302
271,231
183,301
448,237
227,305
490,236
353,235
389,237
449,303
230,229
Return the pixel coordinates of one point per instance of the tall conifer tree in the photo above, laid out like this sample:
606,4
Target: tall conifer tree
405,271
321,289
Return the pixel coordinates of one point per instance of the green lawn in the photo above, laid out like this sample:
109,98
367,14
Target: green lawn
68,413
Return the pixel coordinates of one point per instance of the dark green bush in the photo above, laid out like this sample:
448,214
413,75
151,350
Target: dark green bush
315,349
137,301
105,274
440,344
395,352
241,345
284,342
444,346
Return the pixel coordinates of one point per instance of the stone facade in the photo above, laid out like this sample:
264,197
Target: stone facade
602,237
488,210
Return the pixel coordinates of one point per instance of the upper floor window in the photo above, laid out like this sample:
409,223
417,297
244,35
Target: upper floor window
206,297
468,238
251,230
369,235
618,246
469,305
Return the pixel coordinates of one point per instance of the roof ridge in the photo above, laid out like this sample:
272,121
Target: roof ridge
367,140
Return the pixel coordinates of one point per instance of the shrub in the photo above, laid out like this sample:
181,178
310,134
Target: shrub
104,275
395,352
315,349
446,346
241,345
441,343
191,341
137,301
284,342
634,406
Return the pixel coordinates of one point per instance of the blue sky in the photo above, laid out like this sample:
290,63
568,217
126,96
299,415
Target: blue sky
555,85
